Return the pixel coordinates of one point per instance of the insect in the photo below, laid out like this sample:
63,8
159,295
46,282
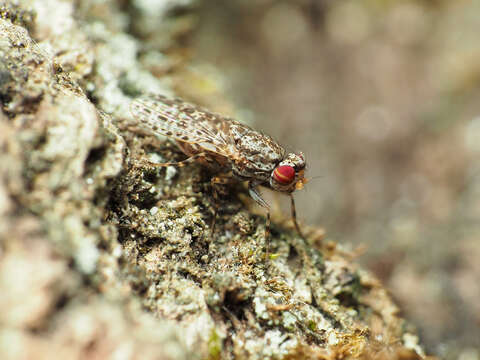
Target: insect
229,147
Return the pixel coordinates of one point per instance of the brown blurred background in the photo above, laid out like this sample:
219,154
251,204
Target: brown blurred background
384,99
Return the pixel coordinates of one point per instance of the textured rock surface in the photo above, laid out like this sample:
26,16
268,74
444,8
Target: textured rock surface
102,256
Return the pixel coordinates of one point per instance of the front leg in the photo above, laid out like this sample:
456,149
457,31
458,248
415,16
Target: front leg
294,216
255,195
253,191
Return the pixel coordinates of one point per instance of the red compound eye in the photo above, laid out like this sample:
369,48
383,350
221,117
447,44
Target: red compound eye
284,174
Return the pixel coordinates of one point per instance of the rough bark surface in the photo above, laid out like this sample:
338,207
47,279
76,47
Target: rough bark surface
103,256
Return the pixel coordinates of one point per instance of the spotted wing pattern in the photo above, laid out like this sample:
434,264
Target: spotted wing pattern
181,121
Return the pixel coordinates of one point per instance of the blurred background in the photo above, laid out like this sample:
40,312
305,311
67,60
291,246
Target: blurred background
383,97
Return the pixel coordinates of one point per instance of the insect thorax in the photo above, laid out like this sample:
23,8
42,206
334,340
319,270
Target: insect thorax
257,154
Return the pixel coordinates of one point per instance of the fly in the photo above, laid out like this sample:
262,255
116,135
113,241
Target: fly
225,145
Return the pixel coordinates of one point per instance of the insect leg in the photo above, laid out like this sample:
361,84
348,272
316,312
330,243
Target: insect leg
182,163
252,190
294,215
215,181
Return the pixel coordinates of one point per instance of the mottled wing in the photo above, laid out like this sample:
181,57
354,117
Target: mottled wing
181,121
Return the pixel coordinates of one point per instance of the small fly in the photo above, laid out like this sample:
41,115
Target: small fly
229,147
